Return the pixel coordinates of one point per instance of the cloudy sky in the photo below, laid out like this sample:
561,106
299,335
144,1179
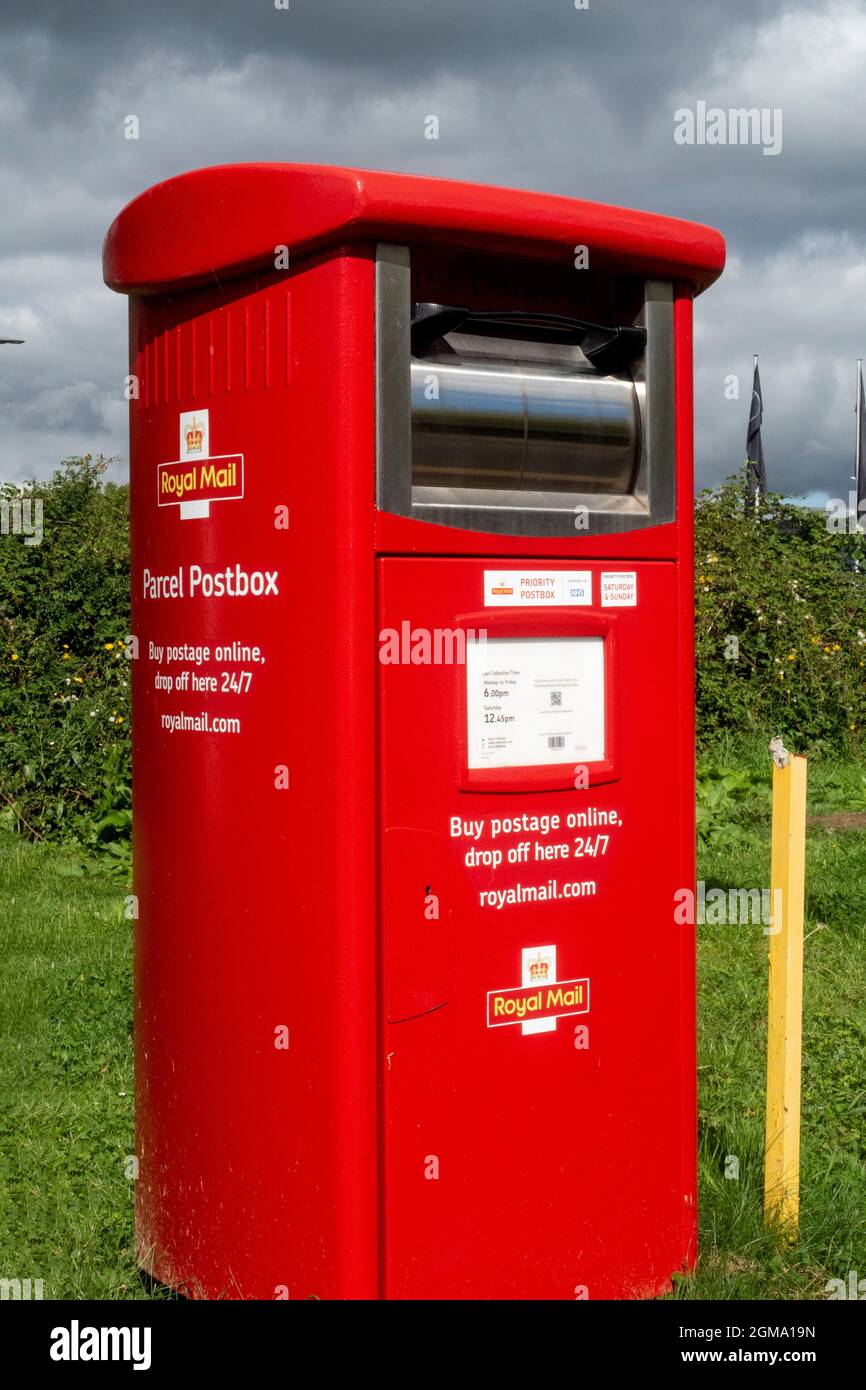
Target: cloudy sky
529,93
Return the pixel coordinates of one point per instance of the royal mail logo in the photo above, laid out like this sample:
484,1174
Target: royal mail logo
198,477
218,479
539,968
506,1006
541,999
194,436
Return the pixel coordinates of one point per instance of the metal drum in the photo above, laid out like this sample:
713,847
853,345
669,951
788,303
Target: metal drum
514,415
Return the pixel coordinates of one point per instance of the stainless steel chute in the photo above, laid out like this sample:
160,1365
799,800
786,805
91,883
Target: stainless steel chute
524,420
517,415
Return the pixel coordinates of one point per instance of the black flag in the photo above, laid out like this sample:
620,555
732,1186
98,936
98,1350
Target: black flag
756,476
860,463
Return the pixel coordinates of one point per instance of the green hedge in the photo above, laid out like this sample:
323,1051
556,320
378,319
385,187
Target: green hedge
64,676
780,609
780,623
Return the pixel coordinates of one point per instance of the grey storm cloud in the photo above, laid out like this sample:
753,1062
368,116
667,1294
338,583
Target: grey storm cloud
536,94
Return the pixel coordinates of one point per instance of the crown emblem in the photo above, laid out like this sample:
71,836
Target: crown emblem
539,969
194,437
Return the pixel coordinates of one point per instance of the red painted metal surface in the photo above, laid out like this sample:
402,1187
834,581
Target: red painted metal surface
560,1166
231,218
322,1108
258,1163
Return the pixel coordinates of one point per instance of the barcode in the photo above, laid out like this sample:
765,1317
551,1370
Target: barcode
556,741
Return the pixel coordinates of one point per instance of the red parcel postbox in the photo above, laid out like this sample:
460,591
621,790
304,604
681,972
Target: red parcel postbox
411,472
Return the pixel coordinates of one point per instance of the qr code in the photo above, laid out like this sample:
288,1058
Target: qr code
556,697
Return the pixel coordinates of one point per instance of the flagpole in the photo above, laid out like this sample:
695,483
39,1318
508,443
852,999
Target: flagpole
857,459
857,429
757,485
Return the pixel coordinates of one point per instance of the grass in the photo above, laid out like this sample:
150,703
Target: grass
739,1258
66,1116
66,1119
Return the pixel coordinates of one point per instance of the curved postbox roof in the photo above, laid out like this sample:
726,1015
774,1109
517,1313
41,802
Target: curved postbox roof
227,220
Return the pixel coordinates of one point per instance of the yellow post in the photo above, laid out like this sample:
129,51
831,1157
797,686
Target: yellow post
785,1003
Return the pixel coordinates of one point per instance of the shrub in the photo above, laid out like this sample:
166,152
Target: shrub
780,618
64,676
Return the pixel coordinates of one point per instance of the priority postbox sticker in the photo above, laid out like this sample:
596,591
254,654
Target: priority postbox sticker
537,588
197,478
619,589
540,999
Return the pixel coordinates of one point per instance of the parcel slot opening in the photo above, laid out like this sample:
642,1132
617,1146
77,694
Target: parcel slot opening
540,420
504,415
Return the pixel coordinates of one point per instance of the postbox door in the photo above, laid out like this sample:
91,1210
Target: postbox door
537,1055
